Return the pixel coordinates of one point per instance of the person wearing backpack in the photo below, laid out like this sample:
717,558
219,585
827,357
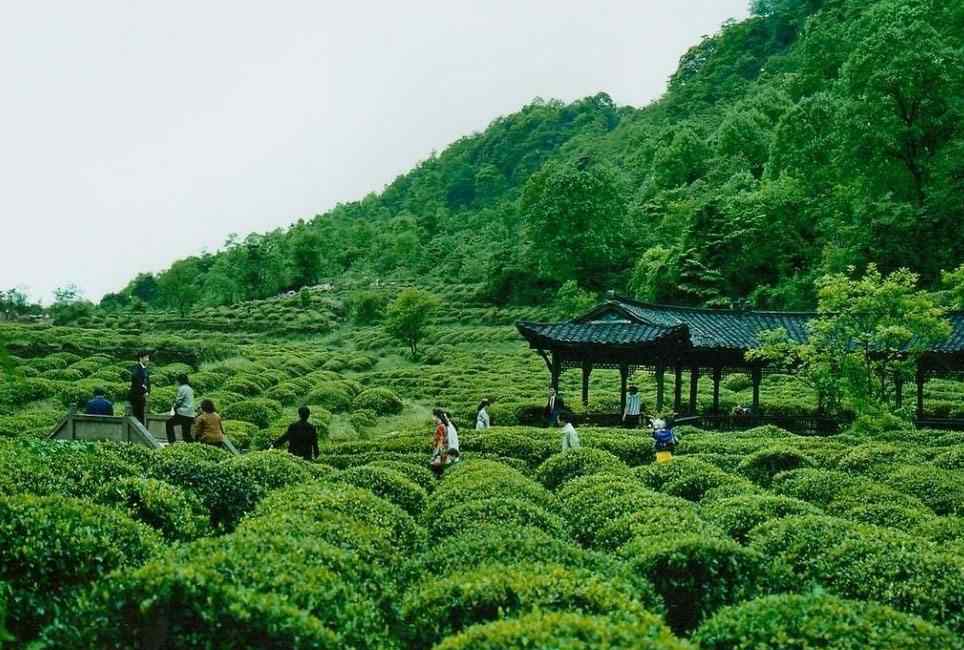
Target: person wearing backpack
664,440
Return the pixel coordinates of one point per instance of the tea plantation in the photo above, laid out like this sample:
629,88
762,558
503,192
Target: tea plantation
746,540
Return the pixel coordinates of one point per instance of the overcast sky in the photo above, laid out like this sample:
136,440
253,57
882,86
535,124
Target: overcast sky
135,132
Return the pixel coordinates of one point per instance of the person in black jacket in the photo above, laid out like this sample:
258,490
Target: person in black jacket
302,437
554,407
140,387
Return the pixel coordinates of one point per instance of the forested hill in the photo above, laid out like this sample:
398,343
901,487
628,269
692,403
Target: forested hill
813,136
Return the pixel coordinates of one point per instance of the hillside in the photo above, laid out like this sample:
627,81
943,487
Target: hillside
814,136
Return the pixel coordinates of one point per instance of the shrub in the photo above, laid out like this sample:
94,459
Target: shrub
200,609
179,515
697,575
504,510
736,516
863,458
241,433
951,459
817,486
319,501
444,606
51,546
816,621
760,467
416,473
259,412
380,400
941,490
578,462
654,521
388,484
525,447
363,419
475,480
868,563
549,631
286,393
332,396
891,515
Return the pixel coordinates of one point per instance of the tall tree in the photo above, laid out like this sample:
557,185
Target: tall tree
180,286
408,316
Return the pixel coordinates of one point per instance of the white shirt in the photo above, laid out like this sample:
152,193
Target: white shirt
570,439
453,436
482,420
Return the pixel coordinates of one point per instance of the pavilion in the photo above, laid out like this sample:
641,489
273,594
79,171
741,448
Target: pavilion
632,336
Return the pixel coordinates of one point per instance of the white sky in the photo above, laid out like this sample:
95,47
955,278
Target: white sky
136,132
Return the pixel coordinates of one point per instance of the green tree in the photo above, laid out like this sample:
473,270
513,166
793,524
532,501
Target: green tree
869,334
69,305
144,287
572,301
952,283
367,307
179,286
574,216
306,258
408,316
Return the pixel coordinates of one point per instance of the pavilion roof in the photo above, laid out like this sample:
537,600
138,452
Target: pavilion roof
622,322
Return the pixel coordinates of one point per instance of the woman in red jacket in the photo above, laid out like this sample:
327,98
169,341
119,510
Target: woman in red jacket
439,444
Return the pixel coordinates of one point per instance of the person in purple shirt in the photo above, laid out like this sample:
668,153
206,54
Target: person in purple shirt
100,405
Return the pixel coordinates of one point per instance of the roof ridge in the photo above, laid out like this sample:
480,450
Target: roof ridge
652,305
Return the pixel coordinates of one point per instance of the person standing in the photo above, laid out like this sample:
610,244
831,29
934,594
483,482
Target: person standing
301,436
633,407
140,387
452,451
439,443
554,406
570,438
208,427
100,405
482,416
183,411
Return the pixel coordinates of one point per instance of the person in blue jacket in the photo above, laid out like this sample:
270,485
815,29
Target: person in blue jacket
100,405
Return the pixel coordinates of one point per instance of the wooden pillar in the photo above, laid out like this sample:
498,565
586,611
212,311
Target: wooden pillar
556,371
660,382
678,389
586,370
920,393
757,376
694,384
717,375
623,377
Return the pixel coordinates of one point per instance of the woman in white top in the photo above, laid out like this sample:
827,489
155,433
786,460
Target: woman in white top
570,439
482,416
453,438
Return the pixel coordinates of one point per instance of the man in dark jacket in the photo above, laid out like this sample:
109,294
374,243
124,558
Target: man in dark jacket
302,437
140,387
554,406
100,405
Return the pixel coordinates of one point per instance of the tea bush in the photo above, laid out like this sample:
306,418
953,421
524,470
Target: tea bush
476,480
697,575
260,412
443,606
868,563
737,516
388,484
941,490
175,513
506,510
788,622
761,466
333,396
573,463
51,546
380,400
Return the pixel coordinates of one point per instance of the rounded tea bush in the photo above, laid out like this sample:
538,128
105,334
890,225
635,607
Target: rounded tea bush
195,609
260,412
736,516
363,419
555,631
578,462
941,490
497,510
476,480
417,474
380,400
655,521
332,396
760,467
697,575
791,622
443,606
50,546
388,484
176,513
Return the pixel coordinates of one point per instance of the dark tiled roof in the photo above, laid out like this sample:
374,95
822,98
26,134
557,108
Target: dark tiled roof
598,333
623,322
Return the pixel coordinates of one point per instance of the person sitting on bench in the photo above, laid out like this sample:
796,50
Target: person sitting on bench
100,405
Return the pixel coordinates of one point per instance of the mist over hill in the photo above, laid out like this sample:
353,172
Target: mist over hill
814,136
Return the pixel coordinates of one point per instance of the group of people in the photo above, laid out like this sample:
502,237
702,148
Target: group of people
445,442
203,424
